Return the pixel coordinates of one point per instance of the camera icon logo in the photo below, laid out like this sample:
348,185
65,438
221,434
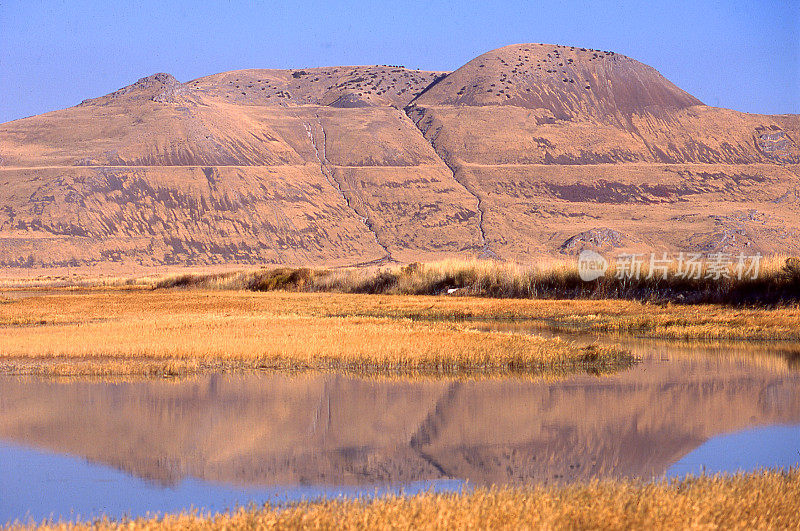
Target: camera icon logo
591,265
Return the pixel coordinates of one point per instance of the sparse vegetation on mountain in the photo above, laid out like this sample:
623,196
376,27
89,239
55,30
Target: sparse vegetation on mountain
510,156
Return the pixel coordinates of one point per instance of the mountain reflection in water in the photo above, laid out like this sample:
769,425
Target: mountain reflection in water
269,430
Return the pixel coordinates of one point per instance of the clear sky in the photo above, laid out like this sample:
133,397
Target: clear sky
53,53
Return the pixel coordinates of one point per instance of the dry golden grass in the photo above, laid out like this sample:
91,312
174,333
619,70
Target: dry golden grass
778,282
176,333
136,331
671,321
765,500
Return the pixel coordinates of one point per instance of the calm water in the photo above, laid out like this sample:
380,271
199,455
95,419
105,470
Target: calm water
78,448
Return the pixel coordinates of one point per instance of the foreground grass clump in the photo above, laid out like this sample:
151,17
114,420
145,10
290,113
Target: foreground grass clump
161,333
762,500
778,282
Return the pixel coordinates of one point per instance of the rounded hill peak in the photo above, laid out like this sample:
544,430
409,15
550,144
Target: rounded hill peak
160,77
569,81
160,87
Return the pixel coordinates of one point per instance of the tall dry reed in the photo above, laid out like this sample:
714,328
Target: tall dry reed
777,283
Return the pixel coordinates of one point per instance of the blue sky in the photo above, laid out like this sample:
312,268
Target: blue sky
738,54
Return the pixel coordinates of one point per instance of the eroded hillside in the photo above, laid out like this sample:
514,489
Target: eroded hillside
567,148
527,151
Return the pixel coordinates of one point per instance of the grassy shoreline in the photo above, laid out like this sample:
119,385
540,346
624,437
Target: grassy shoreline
765,499
163,333
138,331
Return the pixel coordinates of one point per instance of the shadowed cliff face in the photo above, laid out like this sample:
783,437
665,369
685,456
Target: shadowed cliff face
511,155
275,430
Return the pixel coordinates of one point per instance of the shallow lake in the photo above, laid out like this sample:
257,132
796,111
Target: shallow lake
84,448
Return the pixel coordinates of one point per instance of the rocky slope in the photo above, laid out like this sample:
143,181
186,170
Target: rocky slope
527,151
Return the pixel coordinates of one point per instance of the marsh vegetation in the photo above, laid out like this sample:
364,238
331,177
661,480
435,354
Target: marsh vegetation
140,332
776,282
744,501
143,331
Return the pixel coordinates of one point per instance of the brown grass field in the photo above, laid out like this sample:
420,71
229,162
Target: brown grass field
765,500
774,282
140,332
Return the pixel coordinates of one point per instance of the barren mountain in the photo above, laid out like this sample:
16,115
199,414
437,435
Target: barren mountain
527,151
